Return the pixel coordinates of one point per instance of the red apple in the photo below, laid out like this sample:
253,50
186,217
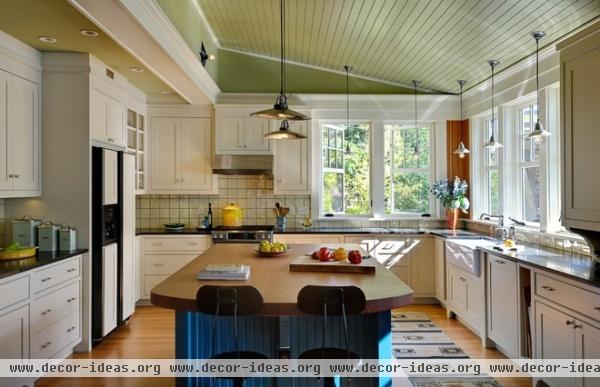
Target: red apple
355,257
324,254
315,255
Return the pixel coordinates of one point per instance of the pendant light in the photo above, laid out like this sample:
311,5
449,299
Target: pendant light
280,110
416,144
348,68
492,143
462,150
538,133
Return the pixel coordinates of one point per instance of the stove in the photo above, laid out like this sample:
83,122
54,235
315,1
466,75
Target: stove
242,234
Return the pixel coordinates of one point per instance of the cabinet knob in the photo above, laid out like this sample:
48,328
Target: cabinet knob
46,279
570,322
71,270
462,279
10,176
548,288
71,299
17,176
47,344
111,140
46,312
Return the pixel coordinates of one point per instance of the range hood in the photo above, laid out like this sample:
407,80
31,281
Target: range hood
243,165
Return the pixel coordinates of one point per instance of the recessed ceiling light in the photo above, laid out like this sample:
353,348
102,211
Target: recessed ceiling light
136,69
166,92
47,39
88,33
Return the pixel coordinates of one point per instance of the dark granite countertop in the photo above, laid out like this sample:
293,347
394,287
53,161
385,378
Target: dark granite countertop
12,267
574,266
152,231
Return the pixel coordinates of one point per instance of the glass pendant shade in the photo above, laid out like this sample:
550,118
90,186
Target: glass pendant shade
538,133
462,150
492,144
284,133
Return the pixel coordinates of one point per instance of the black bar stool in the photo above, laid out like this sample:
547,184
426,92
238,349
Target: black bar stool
327,301
230,301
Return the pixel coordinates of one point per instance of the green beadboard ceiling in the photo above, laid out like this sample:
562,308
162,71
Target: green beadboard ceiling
28,19
388,42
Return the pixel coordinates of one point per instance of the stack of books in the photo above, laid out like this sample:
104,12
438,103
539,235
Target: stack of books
234,272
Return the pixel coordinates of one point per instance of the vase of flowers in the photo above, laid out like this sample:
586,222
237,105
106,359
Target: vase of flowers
452,196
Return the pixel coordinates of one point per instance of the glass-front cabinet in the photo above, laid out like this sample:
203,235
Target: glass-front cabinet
136,137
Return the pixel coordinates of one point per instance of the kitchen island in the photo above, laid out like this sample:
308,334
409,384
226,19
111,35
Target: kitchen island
370,332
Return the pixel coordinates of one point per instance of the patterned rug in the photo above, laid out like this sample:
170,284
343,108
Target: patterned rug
414,336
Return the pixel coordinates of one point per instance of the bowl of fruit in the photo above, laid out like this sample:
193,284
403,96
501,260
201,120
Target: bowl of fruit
271,249
15,251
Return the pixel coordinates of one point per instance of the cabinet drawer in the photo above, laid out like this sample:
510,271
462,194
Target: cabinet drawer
572,297
61,272
47,342
50,308
196,245
14,291
150,281
502,263
165,264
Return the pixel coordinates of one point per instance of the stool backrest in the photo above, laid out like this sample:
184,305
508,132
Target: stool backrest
229,300
336,300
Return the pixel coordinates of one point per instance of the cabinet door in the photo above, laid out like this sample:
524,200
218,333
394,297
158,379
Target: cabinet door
587,346
14,334
230,135
475,303
6,181
554,339
422,262
164,173
440,270
110,178
196,155
23,135
129,273
457,287
581,91
98,114
117,116
291,164
254,136
502,311
109,288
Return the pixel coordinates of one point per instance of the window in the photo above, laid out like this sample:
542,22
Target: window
492,171
345,169
529,165
407,174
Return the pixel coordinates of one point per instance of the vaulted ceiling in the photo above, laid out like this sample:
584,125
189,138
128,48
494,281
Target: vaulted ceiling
435,41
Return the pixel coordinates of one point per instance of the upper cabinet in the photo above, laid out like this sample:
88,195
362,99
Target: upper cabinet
107,119
580,93
19,136
136,145
241,135
291,164
181,151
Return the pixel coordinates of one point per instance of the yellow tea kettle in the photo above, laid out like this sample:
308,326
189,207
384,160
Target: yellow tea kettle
232,215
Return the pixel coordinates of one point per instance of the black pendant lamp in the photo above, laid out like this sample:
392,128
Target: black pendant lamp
462,150
492,143
280,110
538,133
347,68
416,144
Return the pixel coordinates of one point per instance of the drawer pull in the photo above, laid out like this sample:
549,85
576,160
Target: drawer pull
46,312
499,261
46,279
597,308
577,326
71,270
158,264
548,288
569,322
71,299
47,344
71,329
192,244
462,279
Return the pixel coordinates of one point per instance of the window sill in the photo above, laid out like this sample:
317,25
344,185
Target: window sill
371,219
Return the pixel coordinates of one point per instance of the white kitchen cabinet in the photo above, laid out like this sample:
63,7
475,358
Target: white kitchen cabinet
110,177
440,270
108,118
503,304
291,164
580,92
14,333
109,288
317,239
421,255
181,156
19,137
466,298
129,272
242,135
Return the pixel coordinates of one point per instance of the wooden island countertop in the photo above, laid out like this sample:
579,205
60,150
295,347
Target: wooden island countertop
277,284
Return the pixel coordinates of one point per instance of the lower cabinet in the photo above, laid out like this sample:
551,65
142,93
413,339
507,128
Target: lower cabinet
317,239
440,270
502,304
466,298
14,334
162,255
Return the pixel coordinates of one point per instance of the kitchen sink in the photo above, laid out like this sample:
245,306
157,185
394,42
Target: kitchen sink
463,253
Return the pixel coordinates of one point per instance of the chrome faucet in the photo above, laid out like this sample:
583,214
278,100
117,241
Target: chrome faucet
500,232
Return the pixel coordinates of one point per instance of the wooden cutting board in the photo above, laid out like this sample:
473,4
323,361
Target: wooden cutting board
306,263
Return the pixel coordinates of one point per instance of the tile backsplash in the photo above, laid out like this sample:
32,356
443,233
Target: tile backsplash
254,194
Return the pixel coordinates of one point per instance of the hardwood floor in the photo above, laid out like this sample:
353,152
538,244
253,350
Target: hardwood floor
150,334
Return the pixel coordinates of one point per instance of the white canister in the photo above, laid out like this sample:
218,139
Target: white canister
48,237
